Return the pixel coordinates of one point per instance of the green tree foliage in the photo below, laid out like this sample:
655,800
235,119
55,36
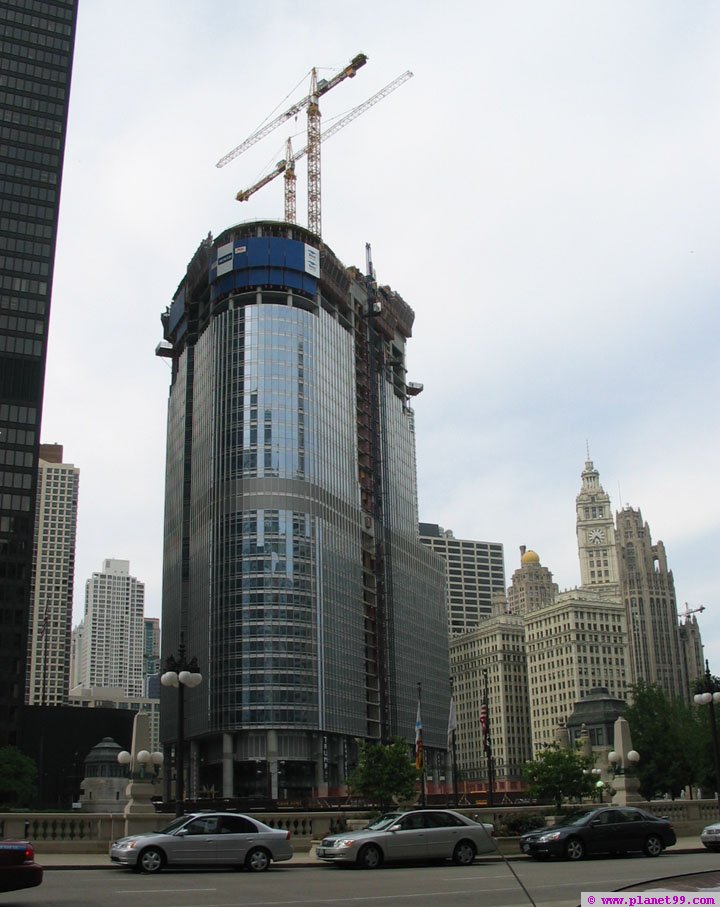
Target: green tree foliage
18,774
705,764
669,737
384,771
558,774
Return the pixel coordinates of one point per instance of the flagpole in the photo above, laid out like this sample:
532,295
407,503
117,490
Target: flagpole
453,751
420,749
487,740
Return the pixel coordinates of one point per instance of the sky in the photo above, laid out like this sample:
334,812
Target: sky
543,193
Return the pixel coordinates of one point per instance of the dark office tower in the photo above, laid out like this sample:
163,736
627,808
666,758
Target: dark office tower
293,570
36,47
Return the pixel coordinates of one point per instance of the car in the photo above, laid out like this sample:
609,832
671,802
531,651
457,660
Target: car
18,868
710,836
205,839
622,829
418,834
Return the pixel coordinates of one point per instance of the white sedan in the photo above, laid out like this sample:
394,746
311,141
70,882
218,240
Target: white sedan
710,836
420,834
205,839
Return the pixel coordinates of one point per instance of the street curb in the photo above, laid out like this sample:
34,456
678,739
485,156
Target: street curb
305,864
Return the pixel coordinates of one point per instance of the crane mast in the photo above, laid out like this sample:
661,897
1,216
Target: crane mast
316,90
290,186
287,165
313,156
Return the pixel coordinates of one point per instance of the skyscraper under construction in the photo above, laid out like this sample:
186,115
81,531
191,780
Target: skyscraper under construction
293,571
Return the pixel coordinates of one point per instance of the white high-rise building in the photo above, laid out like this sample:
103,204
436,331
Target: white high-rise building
111,654
48,659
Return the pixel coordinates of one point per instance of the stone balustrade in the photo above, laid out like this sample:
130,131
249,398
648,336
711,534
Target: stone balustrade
78,832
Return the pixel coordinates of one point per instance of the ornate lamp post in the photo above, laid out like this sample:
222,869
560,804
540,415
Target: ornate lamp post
623,760
138,763
710,698
180,673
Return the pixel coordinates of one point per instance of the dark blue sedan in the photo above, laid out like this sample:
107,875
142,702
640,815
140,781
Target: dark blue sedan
612,829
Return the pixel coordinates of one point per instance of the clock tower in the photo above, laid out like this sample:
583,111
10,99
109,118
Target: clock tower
595,532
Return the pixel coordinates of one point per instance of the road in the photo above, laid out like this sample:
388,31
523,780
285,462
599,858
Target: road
492,884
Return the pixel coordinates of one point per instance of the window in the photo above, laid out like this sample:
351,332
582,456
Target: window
207,825
237,825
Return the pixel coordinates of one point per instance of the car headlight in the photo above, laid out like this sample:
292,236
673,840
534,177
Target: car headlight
126,845
345,842
551,836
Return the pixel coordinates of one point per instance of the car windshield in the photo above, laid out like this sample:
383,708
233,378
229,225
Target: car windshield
384,821
173,826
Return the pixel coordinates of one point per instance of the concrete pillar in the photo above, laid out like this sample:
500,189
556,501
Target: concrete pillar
625,784
272,759
322,756
228,765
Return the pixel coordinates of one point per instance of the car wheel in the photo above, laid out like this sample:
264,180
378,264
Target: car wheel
464,853
258,860
653,846
151,860
574,849
370,857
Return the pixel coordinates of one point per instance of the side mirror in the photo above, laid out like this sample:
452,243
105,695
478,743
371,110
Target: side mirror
395,828
183,832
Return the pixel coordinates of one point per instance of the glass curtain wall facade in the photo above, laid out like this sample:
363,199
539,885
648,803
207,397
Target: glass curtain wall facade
36,48
308,614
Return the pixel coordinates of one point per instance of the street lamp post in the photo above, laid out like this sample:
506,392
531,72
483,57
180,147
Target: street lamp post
623,760
622,764
137,763
710,698
180,673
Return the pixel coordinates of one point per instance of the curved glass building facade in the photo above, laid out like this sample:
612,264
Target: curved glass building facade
292,566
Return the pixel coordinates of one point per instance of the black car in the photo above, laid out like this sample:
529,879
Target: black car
614,829
18,868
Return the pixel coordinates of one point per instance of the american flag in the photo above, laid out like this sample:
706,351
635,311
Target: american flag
452,723
484,724
419,754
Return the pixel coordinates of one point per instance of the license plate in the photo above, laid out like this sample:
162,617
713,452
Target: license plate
320,851
525,848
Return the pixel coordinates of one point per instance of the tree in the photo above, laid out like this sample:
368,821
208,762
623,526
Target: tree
384,771
558,774
667,734
705,762
18,774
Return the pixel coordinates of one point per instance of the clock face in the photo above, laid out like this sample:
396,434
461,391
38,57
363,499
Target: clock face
596,536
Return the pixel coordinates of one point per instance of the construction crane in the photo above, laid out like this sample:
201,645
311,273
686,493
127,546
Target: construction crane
287,165
688,611
317,89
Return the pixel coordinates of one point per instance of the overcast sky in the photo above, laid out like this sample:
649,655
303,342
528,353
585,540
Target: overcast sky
544,193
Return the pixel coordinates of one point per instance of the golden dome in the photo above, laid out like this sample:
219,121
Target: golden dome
530,557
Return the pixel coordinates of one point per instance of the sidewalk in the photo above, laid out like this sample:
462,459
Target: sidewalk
52,861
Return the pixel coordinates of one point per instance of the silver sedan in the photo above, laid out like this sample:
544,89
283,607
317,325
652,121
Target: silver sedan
710,836
419,834
205,839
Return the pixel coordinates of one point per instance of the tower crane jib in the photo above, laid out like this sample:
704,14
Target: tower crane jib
317,89
287,165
